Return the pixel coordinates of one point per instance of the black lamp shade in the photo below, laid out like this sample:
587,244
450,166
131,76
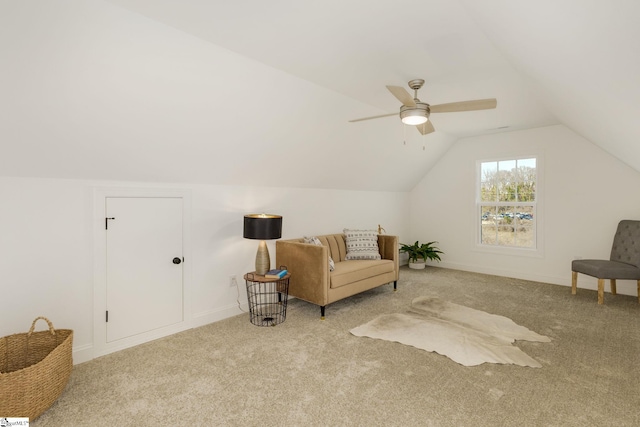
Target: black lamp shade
262,226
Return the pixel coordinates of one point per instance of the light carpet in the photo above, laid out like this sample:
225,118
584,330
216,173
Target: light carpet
311,372
467,336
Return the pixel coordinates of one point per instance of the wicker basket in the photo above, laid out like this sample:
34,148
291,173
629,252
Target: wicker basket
34,370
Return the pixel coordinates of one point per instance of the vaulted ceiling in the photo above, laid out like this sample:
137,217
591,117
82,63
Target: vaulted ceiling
260,93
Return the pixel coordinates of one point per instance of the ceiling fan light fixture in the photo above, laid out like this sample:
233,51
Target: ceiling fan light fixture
414,119
417,113
414,115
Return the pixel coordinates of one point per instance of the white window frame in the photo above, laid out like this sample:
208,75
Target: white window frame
537,249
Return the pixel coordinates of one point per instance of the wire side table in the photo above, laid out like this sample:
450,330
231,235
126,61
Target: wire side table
267,299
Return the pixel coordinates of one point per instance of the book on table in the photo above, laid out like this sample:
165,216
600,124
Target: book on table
276,273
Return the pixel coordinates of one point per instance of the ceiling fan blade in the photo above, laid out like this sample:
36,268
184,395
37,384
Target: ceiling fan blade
453,107
426,127
373,117
402,95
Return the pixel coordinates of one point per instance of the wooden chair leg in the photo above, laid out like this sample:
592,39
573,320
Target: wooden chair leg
638,291
574,282
600,291
613,286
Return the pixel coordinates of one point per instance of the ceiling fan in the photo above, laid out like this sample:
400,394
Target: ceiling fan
415,112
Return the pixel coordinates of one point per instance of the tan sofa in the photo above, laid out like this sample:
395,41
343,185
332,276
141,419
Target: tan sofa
312,281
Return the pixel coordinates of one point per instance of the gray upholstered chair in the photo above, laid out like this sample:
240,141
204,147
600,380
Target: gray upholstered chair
624,262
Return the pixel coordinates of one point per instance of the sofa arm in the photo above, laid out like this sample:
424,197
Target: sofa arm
388,246
309,268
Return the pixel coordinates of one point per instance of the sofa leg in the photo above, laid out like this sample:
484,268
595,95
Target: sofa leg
395,285
322,312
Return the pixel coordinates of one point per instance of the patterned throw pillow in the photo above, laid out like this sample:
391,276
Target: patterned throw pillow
315,241
362,244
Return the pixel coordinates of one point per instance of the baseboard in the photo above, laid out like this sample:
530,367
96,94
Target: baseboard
628,287
211,316
87,352
82,353
564,281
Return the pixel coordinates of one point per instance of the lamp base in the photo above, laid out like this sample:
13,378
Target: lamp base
263,262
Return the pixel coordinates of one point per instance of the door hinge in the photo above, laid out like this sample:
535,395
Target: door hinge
106,223
107,316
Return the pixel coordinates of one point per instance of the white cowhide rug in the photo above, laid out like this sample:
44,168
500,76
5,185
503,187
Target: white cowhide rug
467,336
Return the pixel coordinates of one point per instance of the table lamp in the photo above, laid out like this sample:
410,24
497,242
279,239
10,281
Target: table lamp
262,227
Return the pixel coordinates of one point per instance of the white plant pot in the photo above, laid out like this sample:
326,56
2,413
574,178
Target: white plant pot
417,265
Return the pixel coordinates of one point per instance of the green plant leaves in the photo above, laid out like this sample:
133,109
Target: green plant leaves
421,251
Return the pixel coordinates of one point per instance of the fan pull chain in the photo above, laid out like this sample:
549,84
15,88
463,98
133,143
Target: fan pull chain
404,134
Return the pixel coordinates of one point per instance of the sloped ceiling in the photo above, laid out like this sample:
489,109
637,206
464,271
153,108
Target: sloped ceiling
583,58
259,93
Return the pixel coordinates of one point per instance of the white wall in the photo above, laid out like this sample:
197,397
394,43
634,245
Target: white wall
584,193
100,92
47,228
47,241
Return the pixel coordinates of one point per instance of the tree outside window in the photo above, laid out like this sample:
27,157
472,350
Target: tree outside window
507,203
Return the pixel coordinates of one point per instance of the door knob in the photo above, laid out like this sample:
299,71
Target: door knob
177,260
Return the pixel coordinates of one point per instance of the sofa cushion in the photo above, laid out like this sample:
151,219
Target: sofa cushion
362,244
352,271
336,244
315,241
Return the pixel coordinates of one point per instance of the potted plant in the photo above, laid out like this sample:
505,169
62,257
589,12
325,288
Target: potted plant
420,252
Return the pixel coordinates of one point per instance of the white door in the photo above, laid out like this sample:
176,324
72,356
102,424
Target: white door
143,265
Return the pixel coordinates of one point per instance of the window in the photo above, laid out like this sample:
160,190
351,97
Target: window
506,203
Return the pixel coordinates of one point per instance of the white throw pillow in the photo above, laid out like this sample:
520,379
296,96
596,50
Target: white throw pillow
315,241
362,244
